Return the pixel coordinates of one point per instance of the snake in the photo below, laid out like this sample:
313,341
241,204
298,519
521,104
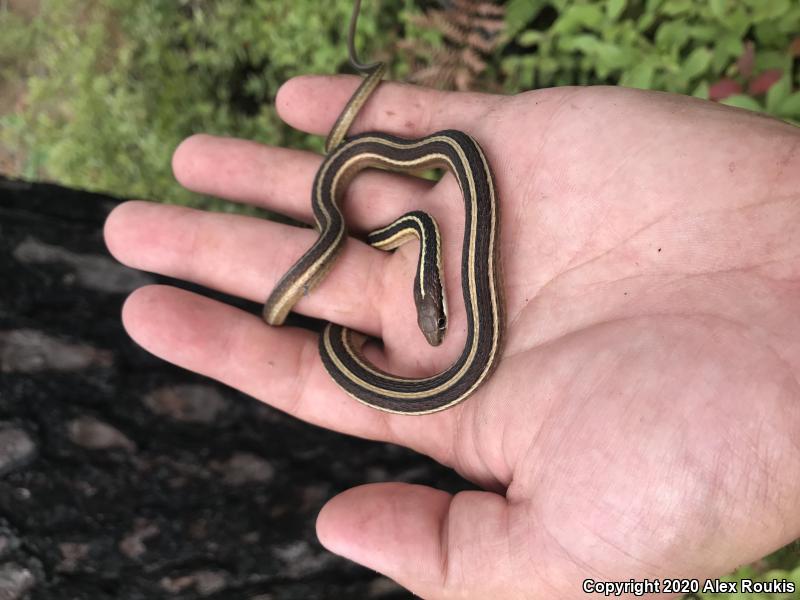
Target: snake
340,348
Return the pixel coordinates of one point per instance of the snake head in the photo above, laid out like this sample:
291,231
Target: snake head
432,319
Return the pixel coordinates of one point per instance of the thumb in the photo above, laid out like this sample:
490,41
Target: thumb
433,543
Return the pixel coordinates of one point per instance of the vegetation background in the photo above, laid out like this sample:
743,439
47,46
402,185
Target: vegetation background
97,93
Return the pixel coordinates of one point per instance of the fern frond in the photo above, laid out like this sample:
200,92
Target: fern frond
469,30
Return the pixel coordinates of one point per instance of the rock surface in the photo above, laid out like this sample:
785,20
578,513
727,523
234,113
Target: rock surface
15,581
123,477
17,449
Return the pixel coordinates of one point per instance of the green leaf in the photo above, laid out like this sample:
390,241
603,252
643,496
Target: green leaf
611,57
530,38
719,8
585,43
640,76
766,60
614,9
701,91
520,12
764,10
578,16
696,63
704,32
677,7
790,107
742,101
672,35
727,48
737,21
778,92
732,15
644,22
729,45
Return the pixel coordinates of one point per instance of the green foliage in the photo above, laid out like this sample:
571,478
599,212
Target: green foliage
115,85
16,43
112,86
673,45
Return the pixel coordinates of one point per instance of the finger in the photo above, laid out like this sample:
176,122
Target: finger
434,544
281,180
245,257
277,365
312,103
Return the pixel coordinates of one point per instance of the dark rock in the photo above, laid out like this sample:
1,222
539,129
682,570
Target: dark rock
15,581
31,351
301,560
96,435
9,542
205,583
72,554
92,271
133,544
190,403
17,449
127,478
244,467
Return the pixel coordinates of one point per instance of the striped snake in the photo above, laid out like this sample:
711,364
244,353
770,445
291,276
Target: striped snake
480,277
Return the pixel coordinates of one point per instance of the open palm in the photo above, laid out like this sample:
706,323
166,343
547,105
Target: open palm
644,420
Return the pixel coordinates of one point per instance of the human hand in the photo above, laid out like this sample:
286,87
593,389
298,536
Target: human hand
644,420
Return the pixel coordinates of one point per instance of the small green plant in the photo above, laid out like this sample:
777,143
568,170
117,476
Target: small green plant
114,85
678,46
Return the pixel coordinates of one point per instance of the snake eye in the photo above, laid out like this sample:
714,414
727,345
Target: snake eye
441,323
